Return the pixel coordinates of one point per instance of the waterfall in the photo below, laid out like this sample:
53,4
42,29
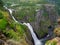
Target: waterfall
36,40
10,11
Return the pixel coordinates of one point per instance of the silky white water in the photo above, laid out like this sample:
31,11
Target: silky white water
36,40
10,11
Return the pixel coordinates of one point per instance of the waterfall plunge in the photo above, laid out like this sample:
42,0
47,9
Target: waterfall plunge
36,40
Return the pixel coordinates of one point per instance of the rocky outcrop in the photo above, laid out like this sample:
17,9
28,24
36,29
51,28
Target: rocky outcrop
54,41
45,16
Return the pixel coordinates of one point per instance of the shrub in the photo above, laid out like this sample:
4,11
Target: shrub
1,3
12,34
41,33
12,25
3,24
19,29
1,15
51,42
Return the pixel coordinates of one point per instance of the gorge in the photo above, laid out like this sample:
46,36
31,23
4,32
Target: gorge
36,40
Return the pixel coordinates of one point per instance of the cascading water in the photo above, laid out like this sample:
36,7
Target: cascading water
36,40
10,11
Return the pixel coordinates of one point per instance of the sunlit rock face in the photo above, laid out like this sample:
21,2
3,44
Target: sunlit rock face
58,43
57,31
54,41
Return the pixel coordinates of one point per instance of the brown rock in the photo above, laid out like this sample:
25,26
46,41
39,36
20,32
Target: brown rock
58,43
1,42
2,37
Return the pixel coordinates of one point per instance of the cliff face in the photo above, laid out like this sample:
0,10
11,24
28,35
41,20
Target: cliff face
43,18
40,19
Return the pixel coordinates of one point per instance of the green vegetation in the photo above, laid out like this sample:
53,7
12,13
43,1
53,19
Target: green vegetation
25,11
1,3
11,34
12,25
15,32
42,33
25,1
51,43
1,15
3,24
11,29
45,14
